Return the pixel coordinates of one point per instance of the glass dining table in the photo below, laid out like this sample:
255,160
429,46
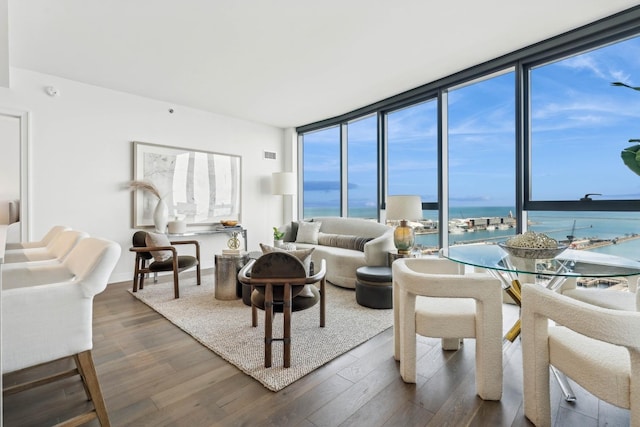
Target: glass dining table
549,272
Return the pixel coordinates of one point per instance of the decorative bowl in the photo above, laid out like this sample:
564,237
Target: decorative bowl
229,223
533,253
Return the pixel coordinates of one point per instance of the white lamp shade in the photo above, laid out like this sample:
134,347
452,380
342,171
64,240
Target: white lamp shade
283,183
404,208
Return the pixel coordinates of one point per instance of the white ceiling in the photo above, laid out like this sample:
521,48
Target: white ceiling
281,62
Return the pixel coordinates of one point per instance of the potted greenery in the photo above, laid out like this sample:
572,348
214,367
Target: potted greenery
631,155
277,237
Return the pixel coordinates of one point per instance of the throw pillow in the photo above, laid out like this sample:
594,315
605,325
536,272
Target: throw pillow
157,239
304,255
308,232
343,241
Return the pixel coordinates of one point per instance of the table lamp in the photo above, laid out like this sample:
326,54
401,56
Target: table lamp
403,209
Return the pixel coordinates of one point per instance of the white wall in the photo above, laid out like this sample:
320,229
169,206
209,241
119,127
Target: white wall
81,155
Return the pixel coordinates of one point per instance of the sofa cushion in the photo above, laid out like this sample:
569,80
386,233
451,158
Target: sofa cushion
294,231
157,239
308,232
343,241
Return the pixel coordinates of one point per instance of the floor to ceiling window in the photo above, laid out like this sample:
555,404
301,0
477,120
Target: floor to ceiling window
580,123
412,161
530,140
321,173
362,168
481,170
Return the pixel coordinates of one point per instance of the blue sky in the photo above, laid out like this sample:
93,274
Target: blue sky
580,123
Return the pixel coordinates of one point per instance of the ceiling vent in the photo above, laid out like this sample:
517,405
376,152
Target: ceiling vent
270,155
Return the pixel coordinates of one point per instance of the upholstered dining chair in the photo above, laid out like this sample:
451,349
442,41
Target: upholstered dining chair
606,298
56,250
44,321
433,297
53,231
277,279
599,348
155,254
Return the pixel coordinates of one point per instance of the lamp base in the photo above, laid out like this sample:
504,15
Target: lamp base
404,238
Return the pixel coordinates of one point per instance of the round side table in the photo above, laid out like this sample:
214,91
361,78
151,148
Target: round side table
227,286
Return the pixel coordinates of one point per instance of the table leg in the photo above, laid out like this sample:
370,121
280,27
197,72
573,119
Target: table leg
565,387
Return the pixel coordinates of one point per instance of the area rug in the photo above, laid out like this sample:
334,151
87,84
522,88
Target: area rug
225,328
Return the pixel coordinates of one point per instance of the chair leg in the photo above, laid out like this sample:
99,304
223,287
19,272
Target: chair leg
136,274
322,303
268,323
90,378
286,312
176,289
254,309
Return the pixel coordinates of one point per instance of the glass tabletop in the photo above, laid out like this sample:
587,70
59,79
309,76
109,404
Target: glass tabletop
570,262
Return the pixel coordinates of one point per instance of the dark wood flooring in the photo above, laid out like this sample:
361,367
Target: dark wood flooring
153,374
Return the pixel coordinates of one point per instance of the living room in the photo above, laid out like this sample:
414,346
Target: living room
79,136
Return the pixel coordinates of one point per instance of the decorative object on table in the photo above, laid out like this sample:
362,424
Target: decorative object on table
229,223
277,237
161,211
404,209
201,187
177,227
234,243
532,245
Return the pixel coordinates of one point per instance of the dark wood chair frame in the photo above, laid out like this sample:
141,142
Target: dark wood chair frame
142,268
286,283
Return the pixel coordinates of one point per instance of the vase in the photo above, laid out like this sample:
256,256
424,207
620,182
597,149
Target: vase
161,216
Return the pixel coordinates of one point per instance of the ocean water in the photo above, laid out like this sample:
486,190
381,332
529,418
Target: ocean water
583,225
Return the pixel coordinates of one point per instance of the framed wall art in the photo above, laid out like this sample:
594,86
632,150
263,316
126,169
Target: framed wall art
199,187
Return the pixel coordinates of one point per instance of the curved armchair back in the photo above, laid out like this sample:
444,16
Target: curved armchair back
598,348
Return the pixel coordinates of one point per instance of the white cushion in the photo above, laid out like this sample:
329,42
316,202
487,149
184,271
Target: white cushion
158,239
308,232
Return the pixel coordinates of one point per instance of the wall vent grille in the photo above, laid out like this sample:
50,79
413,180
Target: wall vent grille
270,155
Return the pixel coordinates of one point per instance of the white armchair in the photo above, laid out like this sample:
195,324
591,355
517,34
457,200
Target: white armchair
432,297
43,321
598,348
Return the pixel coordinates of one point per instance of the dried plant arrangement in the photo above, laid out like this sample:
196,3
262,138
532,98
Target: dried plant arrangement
144,186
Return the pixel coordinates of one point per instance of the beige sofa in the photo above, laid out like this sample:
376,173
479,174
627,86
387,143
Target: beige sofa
345,244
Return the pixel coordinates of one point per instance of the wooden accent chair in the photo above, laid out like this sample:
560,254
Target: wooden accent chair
433,297
44,321
276,279
598,348
162,257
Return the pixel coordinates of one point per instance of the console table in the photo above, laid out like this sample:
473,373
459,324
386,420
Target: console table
229,231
